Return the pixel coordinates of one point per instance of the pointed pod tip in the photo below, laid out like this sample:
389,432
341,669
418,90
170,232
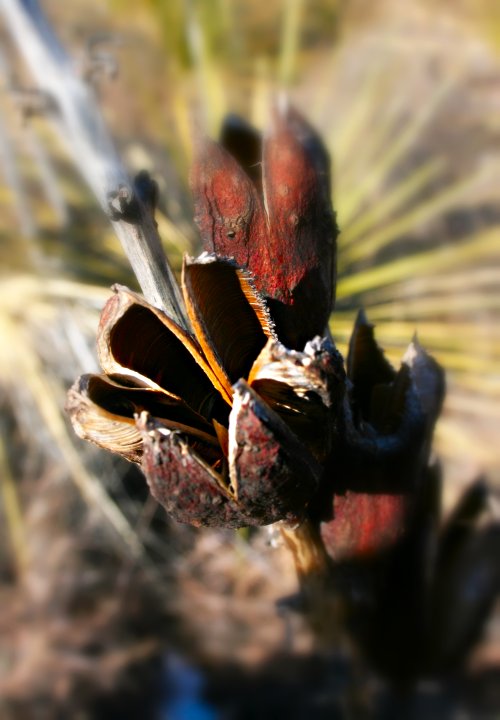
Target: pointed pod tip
208,149
242,396
278,119
124,294
112,310
143,421
246,399
428,378
203,144
417,357
414,352
150,429
361,318
209,157
319,345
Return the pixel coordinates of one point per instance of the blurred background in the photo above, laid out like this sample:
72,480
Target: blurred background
109,609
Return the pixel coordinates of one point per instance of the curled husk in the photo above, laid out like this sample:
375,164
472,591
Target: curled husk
222,420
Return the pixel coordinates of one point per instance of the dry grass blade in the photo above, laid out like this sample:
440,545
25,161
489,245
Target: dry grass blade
211,89
354,249
293,10
19,359
465,338
347,130
351,200
393,199
15,182
13,512
483,245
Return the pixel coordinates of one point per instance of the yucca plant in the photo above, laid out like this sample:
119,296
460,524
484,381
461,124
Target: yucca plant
363,217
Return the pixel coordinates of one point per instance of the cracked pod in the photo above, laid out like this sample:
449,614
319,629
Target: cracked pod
380,463
278,223
248,417
215,449
233,419
267,475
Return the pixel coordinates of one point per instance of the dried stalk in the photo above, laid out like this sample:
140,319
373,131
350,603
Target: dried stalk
80,125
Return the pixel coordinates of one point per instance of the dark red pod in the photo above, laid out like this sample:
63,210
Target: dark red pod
281,226
379,467
365,524
213,451
299,282
271,471
247,417
182,481
228,209
268,475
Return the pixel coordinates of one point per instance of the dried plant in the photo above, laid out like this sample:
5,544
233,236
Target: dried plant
377,553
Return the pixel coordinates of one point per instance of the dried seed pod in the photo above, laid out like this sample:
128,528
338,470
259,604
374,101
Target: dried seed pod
166,396
184,482
466,579
382,457
305,388
229,211
281,228
230,319
102,410
300,279
272,474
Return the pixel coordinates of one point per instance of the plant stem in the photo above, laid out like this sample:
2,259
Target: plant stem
79,124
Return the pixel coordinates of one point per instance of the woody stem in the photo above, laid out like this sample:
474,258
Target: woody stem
78,123
323,605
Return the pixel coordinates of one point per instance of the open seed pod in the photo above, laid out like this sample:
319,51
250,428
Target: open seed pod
262,475
248,417
382,451
214,450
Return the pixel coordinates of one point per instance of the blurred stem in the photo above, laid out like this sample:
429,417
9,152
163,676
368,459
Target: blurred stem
290,41
322,604
210,87
79,123
13,513
14,180
261,93
47,393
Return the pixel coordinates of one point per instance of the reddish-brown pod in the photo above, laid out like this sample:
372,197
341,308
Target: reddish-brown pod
380,467
365,524
299,282
228,208
248,417
279,223
214,451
